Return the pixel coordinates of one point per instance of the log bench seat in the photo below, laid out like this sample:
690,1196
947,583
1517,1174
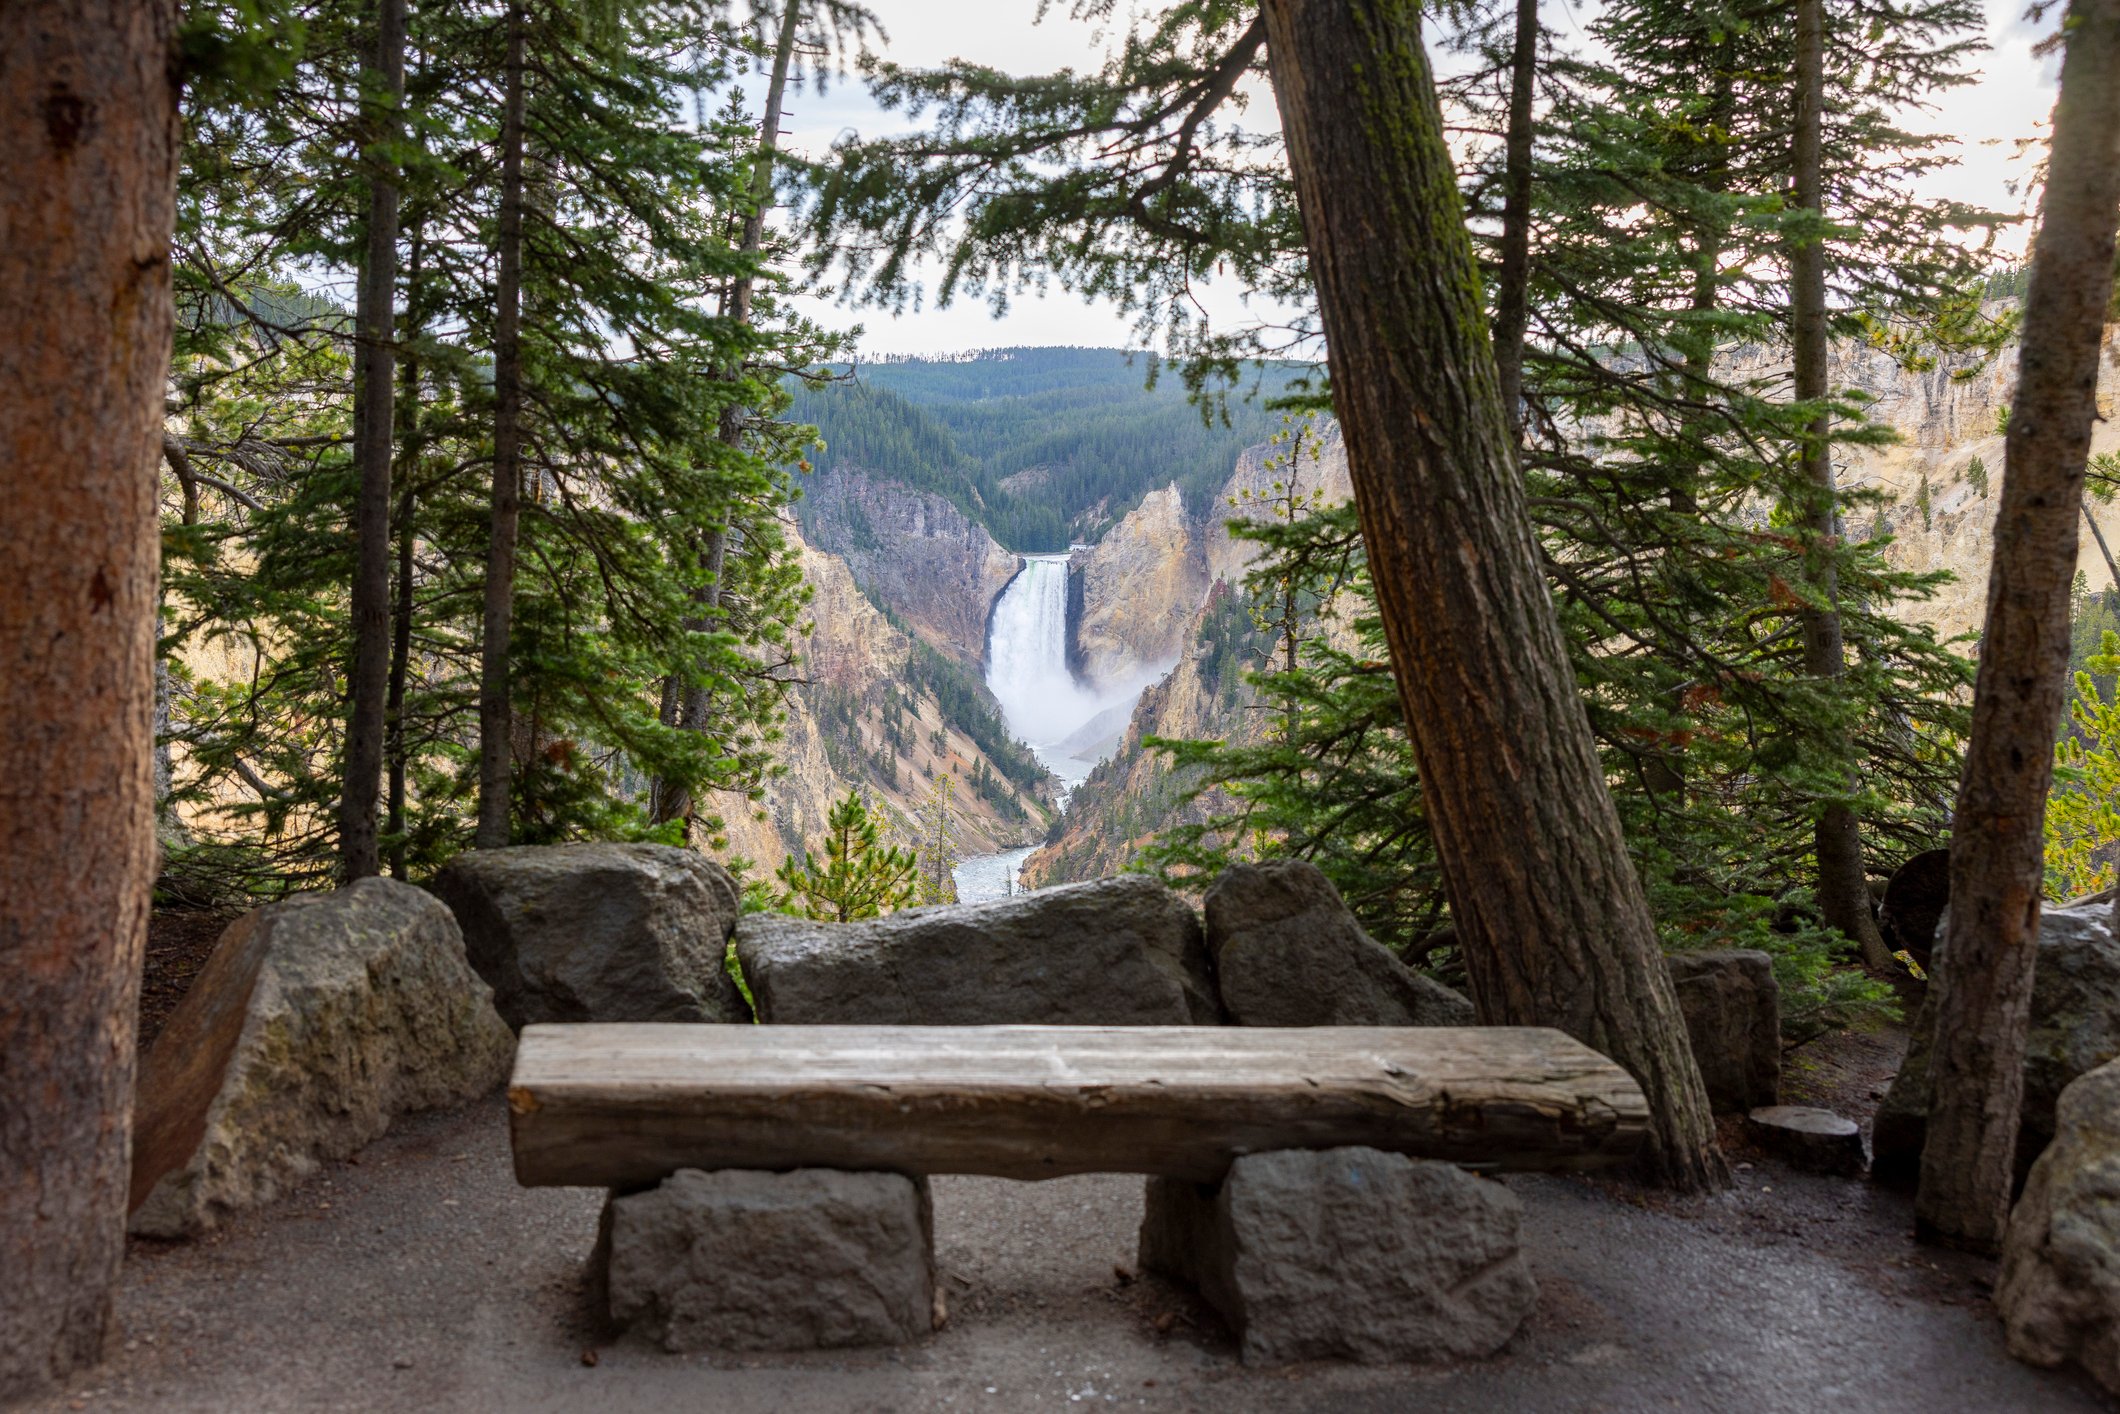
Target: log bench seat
769,1182
619,1106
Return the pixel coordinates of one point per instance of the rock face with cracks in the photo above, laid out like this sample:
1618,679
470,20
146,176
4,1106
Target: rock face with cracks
738,1259
2075,1028
1733,1019
1117,952
2059,1293
1349,1254
1289,952
598,932
315,1024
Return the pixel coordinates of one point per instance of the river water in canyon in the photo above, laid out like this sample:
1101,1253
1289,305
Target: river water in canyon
1068,725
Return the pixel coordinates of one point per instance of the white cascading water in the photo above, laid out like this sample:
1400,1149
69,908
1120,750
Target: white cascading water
1068,725
1026,668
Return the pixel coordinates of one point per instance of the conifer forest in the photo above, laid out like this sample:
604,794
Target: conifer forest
857,704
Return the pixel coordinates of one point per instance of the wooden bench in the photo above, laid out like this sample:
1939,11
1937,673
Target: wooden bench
623,1106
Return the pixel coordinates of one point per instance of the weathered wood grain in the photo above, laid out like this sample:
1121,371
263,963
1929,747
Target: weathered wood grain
620,1105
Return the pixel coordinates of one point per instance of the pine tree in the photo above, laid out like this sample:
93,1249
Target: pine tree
860,876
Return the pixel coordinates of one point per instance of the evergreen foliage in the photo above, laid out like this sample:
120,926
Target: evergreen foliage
628,371
859,877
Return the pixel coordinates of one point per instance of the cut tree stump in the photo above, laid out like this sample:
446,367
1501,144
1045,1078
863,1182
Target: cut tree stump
624,1106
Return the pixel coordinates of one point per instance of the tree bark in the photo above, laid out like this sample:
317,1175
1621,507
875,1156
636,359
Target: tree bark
1513,280
1549,911
374,435
672,800
88,158
1983,974
1843,882
396,748
495,710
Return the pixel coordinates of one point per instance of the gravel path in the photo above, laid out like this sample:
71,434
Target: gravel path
422,1278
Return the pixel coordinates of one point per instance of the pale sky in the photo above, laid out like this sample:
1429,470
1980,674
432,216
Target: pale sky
2011,102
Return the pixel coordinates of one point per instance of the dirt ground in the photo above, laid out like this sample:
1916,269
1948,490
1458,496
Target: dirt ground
422,1277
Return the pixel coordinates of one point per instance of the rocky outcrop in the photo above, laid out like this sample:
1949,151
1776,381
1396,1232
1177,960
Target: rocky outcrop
913,551
1347,1254
742,1260
1942,507
1117,952
598,932
1733,1018
1288,952
2059,1292
1141,587
314,1025
2075,1028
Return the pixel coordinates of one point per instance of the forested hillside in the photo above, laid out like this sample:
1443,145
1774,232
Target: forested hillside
1043,447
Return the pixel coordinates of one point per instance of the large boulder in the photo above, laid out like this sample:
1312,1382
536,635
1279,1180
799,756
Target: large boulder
1289,952
315,1023
2059,1292
738,1259
1349,1254
1115,952
598,932
1733,1018
2075,1027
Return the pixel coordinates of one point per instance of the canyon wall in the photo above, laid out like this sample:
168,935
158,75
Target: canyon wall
864,717
914,552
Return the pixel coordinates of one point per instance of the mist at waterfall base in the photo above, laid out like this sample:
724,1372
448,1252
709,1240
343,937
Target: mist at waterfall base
1067,724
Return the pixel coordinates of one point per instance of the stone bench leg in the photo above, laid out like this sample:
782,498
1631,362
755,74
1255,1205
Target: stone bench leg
1349,1254
739,1259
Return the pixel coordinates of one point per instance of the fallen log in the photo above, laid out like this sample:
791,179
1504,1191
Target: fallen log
626,1105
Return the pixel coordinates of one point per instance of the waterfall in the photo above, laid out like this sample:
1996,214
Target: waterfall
1069,725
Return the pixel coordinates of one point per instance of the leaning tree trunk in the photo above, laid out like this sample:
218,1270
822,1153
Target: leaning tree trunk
1843,882
1550,914
672,800
88,144
496,713
374,431
1984,972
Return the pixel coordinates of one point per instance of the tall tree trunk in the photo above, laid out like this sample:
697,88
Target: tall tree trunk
1513,280
495,710
1843,883
672,800
1983,976
396,746
1550,914
374,433
88,161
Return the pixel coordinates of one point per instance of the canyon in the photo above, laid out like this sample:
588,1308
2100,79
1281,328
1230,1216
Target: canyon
1083,653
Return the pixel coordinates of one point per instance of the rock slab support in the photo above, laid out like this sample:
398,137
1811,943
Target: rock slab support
742,1259
1347,1254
